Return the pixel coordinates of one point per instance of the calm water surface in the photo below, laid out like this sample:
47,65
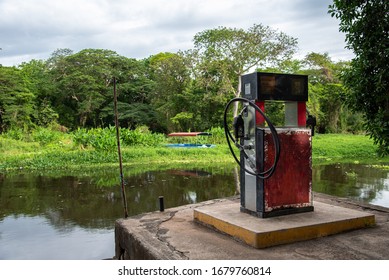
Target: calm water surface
366,183
46,216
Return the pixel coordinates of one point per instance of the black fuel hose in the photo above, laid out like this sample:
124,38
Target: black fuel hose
267,173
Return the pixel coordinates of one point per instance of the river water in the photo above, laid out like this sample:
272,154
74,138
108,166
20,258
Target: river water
56,216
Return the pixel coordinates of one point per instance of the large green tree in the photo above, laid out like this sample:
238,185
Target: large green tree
83,94
224,54
17,102
39,83
366,25
170,98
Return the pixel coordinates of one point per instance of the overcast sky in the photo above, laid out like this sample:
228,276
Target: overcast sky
33,29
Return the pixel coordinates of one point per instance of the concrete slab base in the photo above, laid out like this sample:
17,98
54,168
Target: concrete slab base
261,233
175,235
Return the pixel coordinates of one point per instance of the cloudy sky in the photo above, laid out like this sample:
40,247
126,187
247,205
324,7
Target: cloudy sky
33,29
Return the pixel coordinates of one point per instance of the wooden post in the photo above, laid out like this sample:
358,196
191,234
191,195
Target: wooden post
115,101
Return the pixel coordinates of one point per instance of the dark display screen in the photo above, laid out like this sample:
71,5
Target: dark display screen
269,86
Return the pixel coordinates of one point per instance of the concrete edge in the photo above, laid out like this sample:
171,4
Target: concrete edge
138,237
311,232
266,239
133,241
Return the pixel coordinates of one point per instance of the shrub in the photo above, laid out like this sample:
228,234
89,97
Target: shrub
141,136
99,138
45,136
15,134
105,138
81,137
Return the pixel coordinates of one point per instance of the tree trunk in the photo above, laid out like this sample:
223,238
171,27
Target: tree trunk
237,94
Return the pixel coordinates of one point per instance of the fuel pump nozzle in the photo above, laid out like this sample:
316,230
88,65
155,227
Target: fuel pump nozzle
238,126
239,138
239,133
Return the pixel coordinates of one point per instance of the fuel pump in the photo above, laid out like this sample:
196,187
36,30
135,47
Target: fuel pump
275,163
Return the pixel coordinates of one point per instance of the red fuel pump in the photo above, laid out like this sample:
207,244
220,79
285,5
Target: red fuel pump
275,163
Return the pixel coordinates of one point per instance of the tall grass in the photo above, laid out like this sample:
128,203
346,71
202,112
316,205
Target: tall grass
88,148
10,146
343,147
104,139
141,136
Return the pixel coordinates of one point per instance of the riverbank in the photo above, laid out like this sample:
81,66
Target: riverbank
62,154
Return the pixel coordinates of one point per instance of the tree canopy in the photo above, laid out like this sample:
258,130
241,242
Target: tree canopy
17,102
224,54
366,25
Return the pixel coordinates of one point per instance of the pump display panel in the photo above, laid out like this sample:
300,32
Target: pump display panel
269,86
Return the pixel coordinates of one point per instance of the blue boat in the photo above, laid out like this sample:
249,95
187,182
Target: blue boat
189,134
190,145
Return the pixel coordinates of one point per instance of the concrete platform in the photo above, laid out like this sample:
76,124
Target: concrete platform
174,234
261,233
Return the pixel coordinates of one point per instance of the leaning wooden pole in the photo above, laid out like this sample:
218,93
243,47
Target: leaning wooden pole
115,102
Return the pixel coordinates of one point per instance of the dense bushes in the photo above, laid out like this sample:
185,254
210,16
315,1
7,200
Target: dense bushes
43,149
105,138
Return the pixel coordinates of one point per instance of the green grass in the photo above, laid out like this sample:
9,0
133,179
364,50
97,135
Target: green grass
344,148
60,153
11,147
132,156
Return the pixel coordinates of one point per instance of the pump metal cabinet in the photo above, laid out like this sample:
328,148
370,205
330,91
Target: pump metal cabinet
289,190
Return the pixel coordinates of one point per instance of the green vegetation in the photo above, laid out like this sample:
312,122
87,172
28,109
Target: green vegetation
329,148
366,25
165,92
96,148
44,149
183,91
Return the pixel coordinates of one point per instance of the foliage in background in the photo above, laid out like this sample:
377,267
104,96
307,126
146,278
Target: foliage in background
327,96
101,139
167,92
83,90
17,102
221,55
169,97
366,25
45,136
141,136
343,148
53,150
104,139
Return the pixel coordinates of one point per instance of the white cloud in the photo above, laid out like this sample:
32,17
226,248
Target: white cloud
139,28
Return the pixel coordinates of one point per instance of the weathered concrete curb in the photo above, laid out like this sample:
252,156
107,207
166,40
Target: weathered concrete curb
137,238
173,235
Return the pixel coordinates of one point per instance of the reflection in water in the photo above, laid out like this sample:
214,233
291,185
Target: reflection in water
72,217
24,237
360,182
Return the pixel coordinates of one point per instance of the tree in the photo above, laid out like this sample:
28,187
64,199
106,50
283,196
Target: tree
16,100
40,85
366,24
171,75
227,53
83,88
327,94
134,88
